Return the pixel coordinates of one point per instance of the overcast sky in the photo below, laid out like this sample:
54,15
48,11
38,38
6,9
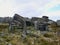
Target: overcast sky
30,8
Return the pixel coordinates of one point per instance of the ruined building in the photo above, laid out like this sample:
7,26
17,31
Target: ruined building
42,24
38,23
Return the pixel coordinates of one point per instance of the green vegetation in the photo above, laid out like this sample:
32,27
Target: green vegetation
16,38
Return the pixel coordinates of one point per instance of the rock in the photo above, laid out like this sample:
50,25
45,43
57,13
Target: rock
23,36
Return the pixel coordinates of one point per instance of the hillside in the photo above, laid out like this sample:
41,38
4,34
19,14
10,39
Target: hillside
20,30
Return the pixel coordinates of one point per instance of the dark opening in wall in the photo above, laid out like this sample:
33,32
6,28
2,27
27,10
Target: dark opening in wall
42,27
28,23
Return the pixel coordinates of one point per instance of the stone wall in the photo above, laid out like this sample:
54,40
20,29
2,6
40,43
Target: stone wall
42,23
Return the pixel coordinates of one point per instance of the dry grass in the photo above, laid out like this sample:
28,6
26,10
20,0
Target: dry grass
7,38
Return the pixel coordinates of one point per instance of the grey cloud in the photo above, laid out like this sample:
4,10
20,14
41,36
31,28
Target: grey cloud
29,12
